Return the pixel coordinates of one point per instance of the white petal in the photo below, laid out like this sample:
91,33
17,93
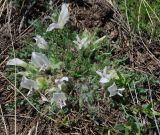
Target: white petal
60,82
121,89
59,96
56,80
107,76
40,41
62,104
76,42
59,99
105,70
30,92
53,26
119,94
84,41
80,43
40,60
17,62
78,39
28,84
104,80
113,90
99,73
44,99
64,79
60,86
80,46
64,15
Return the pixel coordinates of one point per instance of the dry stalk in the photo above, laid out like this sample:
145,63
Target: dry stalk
4,123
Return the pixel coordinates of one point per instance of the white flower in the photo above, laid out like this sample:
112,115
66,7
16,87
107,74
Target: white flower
62,20
104,76
44,99
64,15
53,26
29,84
59,99
60,82
113,90
81,42
40,41
40,60
17,62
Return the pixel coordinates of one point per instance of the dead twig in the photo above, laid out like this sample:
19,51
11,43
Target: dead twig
4,123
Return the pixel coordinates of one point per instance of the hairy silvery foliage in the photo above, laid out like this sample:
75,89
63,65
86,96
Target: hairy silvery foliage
80,42
60,82
16,62
29,84
40,60
113,90
40,41
62,20
59,98
105,77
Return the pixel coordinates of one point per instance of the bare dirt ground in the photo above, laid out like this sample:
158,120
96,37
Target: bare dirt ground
143,56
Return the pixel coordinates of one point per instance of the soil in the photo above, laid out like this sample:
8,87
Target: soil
98,14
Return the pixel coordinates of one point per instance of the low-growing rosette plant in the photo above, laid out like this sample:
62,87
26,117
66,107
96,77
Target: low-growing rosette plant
41,79
72,72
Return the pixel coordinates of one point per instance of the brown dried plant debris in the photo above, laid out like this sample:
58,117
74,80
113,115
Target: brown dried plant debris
98,14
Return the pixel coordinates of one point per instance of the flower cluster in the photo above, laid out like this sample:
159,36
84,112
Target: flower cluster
42,63
106,75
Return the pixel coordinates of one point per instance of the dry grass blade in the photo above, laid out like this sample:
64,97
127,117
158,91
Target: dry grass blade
150,20
3,61
2,8
139,13
110,2
145,46
26,98
36,130
9,13
5,126
151,100
126,10
150,53
31,130
144,1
